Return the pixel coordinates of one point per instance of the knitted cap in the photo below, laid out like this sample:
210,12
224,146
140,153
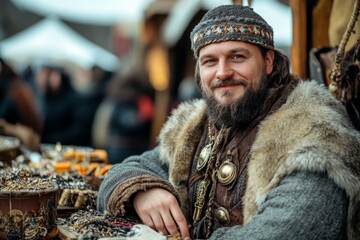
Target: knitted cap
231,22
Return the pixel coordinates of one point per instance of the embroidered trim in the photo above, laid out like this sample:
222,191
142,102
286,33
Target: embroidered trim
231,28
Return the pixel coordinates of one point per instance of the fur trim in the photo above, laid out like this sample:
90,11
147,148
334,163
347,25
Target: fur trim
323,140
178,140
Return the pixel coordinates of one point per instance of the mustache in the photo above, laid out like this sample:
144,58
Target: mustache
229,82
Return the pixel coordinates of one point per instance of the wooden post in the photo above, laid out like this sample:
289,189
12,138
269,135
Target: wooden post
237,2
299,49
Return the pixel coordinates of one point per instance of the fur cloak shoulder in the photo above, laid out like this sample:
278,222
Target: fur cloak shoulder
310,132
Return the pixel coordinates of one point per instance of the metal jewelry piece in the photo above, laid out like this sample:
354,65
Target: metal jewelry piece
204,157
200,199
227,171
205,153
222,216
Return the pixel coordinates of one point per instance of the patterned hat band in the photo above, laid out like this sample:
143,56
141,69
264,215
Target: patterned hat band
231,28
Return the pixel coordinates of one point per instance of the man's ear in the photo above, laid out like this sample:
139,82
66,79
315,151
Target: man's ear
269,61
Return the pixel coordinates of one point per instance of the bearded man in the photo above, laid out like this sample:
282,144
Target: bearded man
265,155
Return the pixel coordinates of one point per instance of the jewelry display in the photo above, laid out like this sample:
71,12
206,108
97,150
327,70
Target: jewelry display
76,191
61,203
18,180
27,205
92,224
78,198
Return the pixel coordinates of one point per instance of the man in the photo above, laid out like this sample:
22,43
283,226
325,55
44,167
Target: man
263,156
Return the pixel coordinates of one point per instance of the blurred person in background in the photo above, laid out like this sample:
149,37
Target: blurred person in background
64,117
20,114
91,87
131,117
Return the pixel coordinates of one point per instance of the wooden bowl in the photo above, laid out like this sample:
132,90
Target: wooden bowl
27,212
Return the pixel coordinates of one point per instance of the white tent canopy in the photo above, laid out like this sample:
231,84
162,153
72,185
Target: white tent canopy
180,17
97,12
52,41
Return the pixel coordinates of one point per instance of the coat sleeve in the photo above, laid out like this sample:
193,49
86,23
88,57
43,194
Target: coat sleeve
303,206
136,173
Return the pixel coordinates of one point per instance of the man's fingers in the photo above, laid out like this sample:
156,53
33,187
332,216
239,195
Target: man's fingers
159,223
146,219
160,210
170,224
180,221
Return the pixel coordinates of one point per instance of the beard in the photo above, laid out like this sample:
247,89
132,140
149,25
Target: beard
241,112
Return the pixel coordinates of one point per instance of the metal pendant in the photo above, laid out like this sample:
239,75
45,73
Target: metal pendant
222,215
204,157
227,172
200,199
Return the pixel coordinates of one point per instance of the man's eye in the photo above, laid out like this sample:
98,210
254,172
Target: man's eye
238,56
208,61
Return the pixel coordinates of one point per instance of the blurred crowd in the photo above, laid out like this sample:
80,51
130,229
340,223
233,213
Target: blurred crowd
120,111
47,105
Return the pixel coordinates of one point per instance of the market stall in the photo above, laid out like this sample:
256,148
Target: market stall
36,188
51,194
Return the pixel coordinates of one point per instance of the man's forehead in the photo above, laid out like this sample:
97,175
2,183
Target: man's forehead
227,46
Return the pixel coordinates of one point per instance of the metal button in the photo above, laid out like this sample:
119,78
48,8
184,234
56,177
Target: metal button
227,172
222,215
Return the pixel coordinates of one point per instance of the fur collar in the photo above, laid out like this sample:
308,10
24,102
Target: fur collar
319,137
178,142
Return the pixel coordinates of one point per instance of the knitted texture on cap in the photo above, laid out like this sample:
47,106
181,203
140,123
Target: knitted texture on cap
231,22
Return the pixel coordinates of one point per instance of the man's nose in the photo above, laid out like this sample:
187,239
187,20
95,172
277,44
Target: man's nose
224,71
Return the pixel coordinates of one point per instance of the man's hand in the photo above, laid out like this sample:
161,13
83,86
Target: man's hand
160,210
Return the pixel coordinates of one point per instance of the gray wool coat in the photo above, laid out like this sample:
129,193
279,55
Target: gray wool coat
303,175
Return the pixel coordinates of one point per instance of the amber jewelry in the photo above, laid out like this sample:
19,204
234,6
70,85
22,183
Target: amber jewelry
227,171
205,152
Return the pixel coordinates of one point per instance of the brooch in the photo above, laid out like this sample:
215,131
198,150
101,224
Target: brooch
204,157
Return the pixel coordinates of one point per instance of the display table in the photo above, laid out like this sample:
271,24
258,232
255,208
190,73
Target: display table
53,196
137,232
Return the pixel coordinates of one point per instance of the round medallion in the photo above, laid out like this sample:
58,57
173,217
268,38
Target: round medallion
222,215
203,157
227,172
